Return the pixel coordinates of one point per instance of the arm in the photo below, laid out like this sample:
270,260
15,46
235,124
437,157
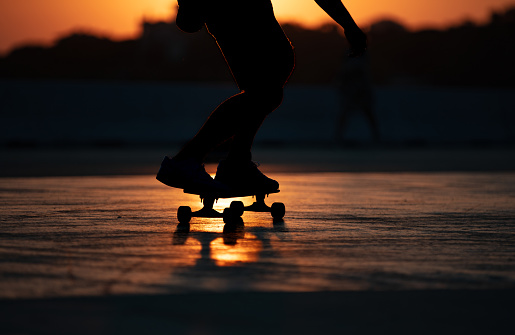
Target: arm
337,11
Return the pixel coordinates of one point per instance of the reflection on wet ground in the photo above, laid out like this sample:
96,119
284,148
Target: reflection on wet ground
70,236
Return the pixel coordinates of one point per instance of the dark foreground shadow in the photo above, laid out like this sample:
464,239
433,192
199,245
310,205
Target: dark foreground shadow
368,312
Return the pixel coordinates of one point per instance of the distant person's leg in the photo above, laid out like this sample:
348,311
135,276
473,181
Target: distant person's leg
345,110
368,110
261,60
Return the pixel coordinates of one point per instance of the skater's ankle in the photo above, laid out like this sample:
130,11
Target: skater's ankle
187,158
239,157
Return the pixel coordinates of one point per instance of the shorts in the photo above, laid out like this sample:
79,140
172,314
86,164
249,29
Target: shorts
253,43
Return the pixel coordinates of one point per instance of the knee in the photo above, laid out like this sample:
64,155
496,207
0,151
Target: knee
274,99
266,99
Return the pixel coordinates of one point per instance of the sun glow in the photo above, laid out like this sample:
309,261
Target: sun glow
43,21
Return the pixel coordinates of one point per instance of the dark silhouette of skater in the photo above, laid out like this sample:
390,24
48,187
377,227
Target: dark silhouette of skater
261,60
357,95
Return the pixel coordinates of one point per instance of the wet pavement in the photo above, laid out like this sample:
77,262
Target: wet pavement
105,236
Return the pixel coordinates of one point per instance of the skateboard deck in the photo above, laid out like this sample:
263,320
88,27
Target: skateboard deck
225,194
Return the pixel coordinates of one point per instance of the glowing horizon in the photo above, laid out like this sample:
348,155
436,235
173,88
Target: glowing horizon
43,21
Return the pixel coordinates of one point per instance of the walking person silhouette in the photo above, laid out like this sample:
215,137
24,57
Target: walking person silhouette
261,60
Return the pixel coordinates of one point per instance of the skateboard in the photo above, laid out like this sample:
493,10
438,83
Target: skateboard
235,210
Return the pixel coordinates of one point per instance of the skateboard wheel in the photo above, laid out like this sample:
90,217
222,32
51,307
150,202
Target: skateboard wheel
278,210
184,214
237,207
229,215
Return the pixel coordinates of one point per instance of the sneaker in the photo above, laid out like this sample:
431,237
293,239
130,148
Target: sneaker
187,174
245,176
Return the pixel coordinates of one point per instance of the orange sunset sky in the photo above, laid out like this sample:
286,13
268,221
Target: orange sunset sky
42,21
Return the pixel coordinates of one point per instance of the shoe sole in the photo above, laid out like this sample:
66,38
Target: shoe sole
169,182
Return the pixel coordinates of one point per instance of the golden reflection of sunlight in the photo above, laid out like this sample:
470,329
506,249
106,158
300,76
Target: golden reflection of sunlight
207,225
189,249
245,250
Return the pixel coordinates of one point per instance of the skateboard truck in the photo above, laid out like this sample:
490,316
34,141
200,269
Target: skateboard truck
207,210
259,205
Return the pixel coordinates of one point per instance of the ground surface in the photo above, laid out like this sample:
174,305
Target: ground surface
363,252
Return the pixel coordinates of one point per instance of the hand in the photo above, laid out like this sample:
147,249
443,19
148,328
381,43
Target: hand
357,40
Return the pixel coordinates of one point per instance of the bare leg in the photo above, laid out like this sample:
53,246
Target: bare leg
239,118
261,59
